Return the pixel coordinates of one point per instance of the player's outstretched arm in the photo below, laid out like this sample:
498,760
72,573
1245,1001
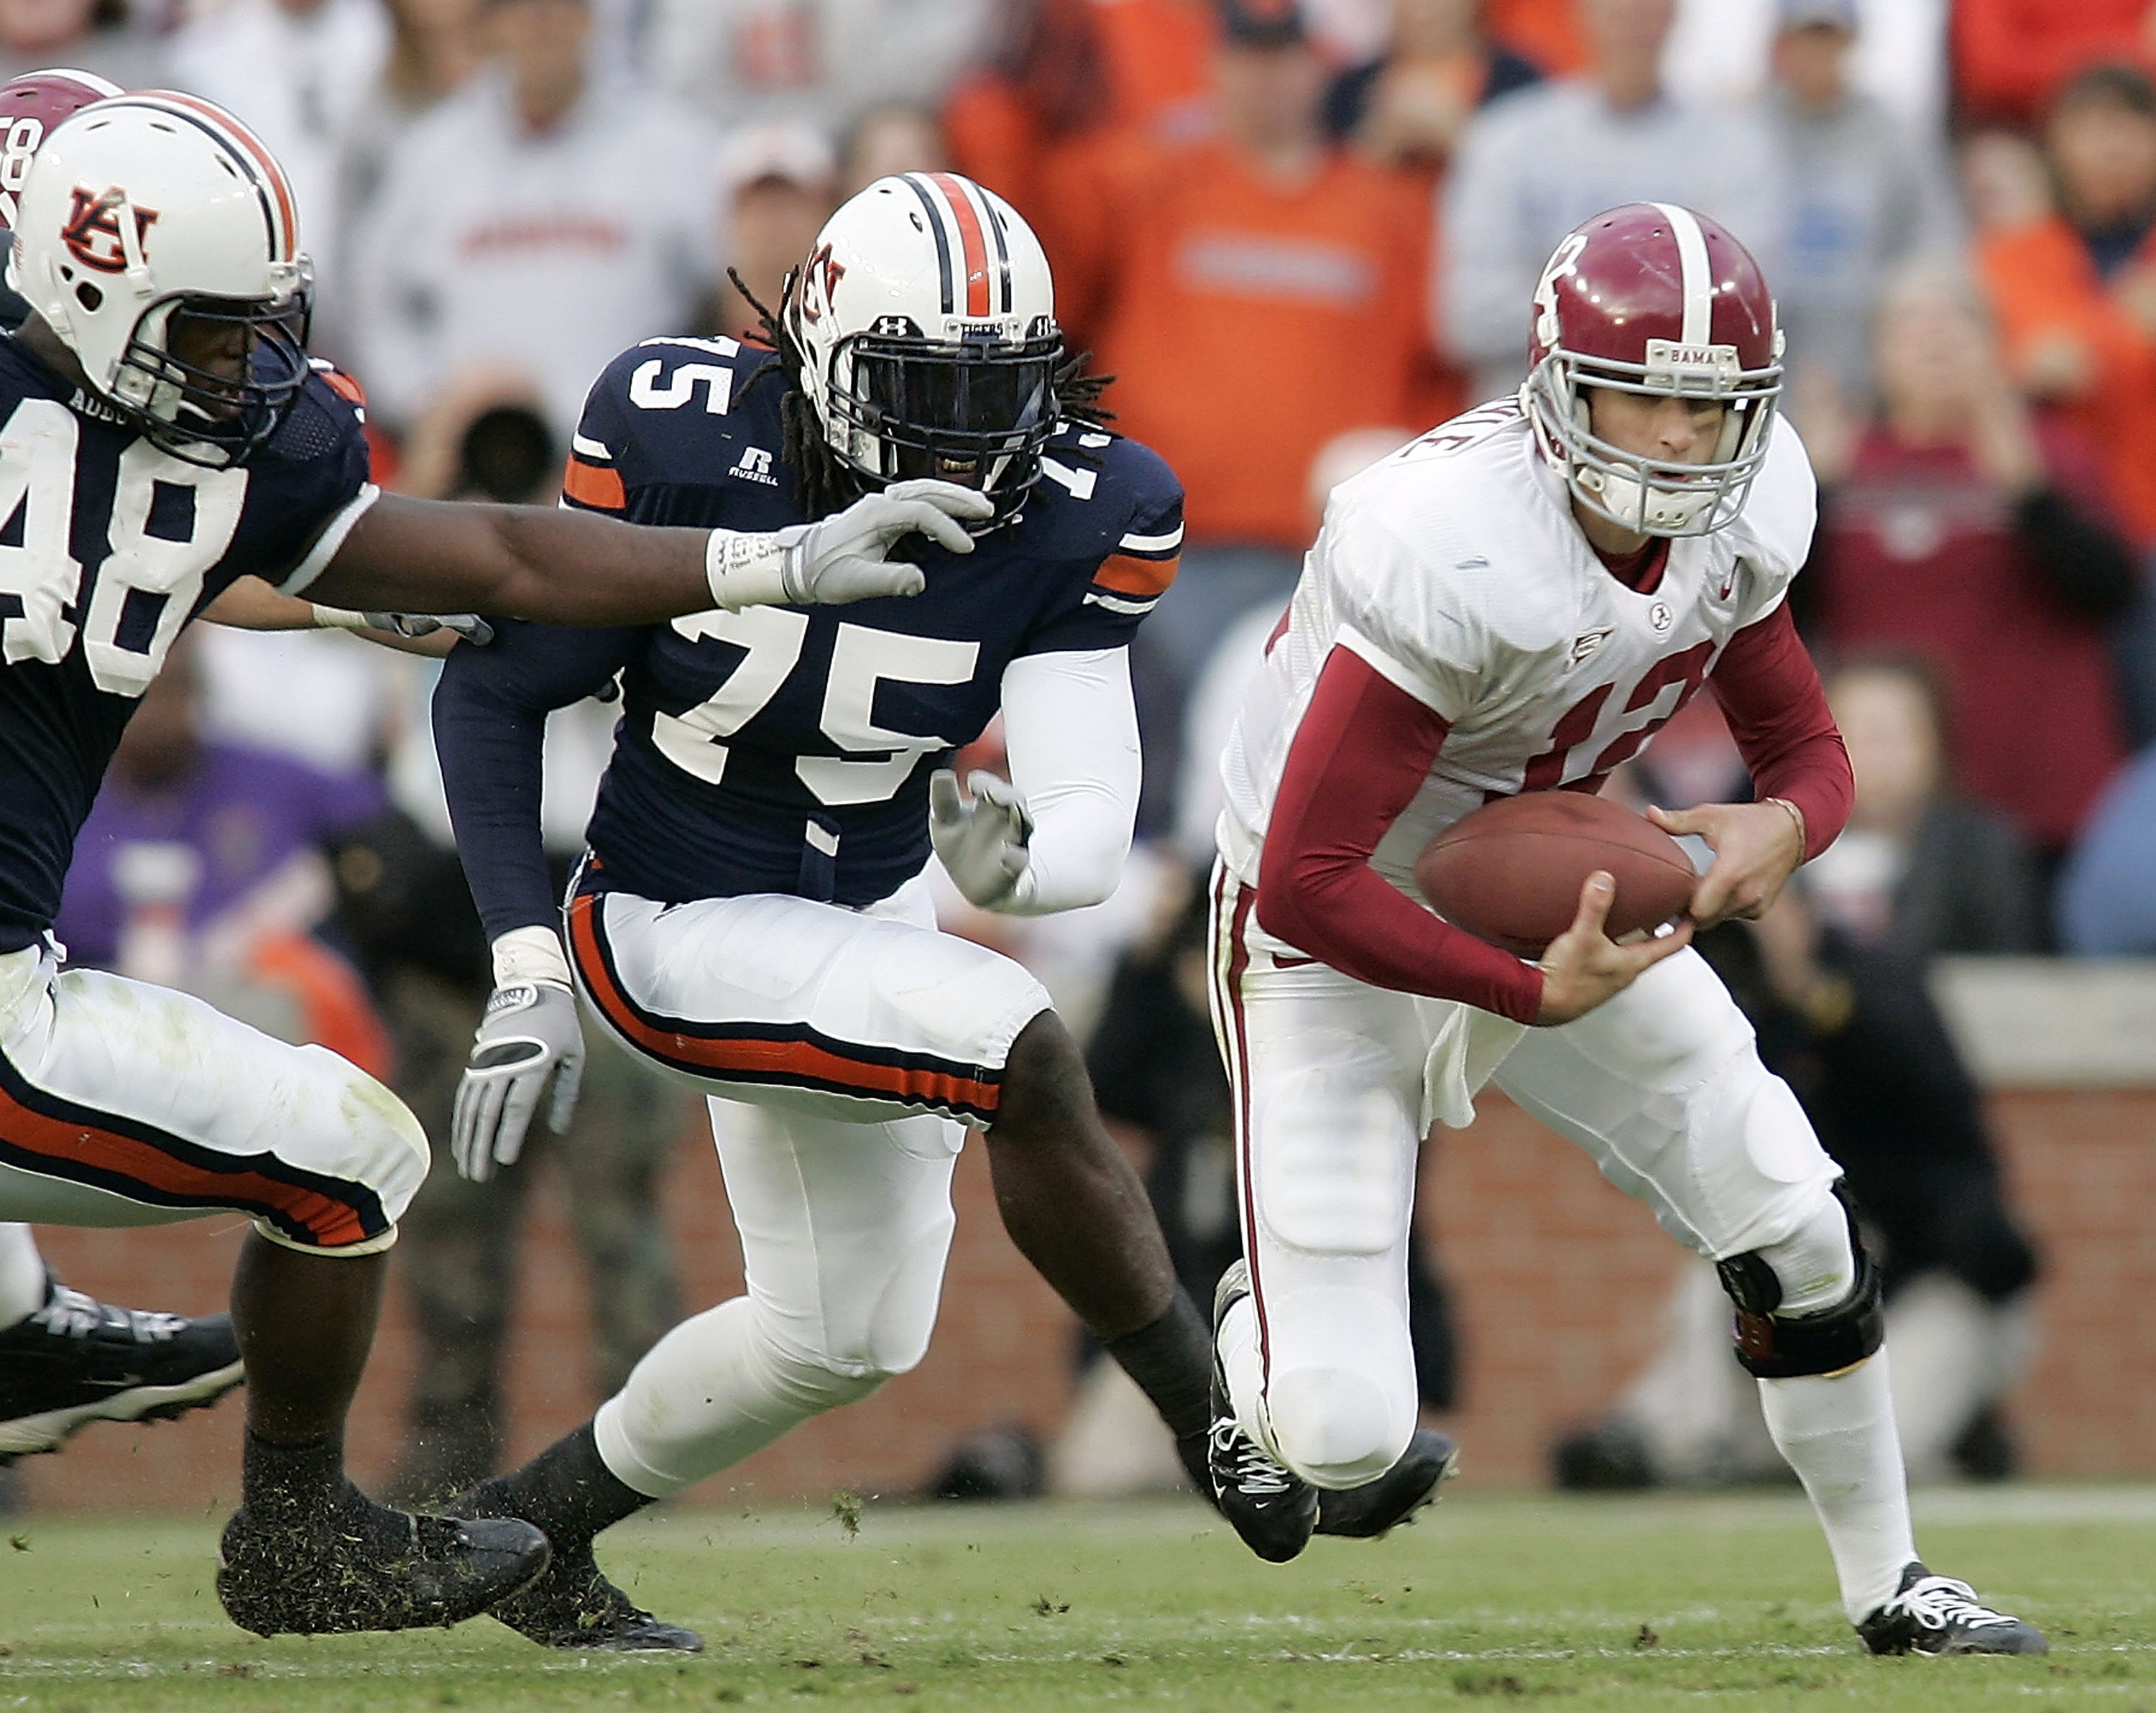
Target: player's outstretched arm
1584,966
573,567
249,603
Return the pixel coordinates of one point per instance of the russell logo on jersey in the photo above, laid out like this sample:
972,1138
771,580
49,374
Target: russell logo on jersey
754,465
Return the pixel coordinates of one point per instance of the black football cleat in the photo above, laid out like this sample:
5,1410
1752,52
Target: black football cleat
1273,1509
573,1606
362,1566
1937,1615
1377,1507
78,1361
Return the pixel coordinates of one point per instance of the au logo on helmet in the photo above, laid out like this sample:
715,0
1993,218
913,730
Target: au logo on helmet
92,231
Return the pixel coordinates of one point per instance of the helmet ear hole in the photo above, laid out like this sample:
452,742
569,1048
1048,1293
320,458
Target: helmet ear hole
88,296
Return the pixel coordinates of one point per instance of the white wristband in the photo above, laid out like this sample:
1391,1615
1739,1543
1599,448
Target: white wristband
748,569
531,955
338,617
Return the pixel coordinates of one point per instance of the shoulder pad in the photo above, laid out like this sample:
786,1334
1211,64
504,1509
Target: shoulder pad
346,387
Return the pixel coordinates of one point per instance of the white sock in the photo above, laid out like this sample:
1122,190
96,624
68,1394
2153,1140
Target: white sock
1838,1433
1246,1372
707,1395
22,1287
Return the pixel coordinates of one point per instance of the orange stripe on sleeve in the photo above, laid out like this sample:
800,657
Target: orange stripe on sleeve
345,386
1141,579
594,485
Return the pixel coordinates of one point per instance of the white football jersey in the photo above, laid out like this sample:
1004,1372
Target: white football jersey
1455,569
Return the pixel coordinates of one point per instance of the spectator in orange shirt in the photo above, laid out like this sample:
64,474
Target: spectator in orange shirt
1063,68
1406,109
2075,291
2011,57
1256,293
1546,31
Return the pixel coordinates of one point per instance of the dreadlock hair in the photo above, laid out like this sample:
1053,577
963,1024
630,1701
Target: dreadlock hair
824,482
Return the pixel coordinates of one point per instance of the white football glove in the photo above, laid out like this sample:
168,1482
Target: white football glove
530,1036
467,625
846,556
982,844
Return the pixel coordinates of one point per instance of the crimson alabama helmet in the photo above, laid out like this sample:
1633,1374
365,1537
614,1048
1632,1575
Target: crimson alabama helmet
1653,298
926,318
30,105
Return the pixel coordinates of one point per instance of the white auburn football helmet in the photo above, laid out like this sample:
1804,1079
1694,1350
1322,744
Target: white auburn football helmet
1651,298
146,208
925,320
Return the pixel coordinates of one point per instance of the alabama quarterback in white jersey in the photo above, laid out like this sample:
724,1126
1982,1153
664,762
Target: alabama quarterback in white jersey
1515,603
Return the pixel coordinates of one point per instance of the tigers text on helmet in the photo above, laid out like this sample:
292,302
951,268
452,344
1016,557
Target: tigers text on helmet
926,320
1650,298
150,218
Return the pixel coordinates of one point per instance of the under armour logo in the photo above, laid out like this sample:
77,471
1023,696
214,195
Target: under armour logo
92,232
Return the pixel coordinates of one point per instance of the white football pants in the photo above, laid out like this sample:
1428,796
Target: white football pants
125,1104
841,1050
1335,1084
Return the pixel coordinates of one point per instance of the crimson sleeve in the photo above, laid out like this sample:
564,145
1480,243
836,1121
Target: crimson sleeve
1770,692
1362,752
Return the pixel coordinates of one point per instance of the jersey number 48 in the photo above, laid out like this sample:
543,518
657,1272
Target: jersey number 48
170,522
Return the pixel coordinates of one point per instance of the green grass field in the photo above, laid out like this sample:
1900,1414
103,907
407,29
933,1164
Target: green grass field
1490,1600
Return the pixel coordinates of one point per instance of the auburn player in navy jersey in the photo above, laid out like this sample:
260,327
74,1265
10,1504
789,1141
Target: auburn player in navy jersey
162,434
67,1360
753,915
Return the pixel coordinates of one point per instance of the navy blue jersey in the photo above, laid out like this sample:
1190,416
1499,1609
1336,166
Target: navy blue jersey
107,548
780,749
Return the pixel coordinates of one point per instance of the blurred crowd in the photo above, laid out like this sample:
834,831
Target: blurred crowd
1297,235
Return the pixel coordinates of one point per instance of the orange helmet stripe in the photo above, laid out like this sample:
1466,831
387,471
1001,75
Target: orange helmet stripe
270,174
974,242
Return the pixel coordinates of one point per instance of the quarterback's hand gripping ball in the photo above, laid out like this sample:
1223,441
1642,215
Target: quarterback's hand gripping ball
1510,872
529,1037
981,843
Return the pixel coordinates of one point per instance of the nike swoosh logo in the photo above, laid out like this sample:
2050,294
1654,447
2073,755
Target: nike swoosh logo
1281,961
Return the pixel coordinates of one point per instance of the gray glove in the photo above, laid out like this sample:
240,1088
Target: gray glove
529,1036
981,843
846,556
467,625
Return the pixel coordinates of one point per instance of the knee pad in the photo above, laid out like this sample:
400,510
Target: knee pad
1773,1346
803,1384
1333,1428
397,1157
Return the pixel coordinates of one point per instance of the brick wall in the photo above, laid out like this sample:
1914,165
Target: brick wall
1556,1275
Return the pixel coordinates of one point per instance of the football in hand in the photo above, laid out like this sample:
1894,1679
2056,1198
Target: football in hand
1510,872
